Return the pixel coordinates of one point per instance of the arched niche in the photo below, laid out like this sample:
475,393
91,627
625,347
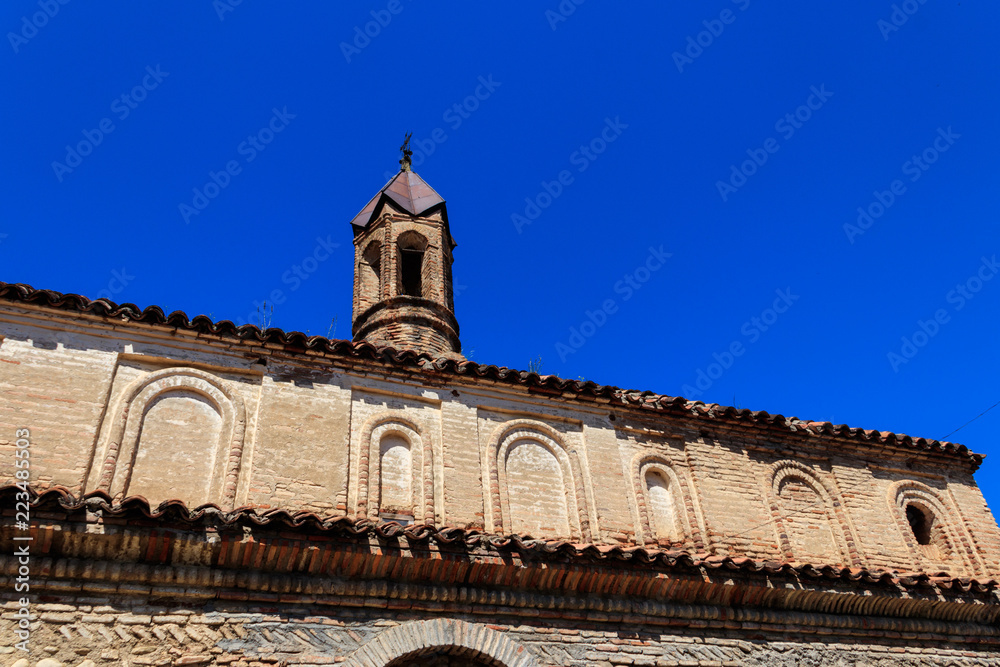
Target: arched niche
175,451
393,438
664,503
534,478
663,506
928,527
520,446
176,433
420,643
396,488
809,517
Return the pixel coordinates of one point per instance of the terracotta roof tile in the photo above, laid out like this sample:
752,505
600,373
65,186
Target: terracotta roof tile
175,514
296,342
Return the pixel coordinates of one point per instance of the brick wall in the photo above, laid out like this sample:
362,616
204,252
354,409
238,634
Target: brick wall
425,322
298,434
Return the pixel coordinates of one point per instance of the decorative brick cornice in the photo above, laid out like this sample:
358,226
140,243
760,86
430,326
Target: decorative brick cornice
224,549
718,603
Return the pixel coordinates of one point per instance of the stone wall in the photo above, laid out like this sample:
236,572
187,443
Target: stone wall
134,631
155,411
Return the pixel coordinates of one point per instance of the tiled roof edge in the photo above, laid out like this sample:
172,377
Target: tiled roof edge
297,341
174,513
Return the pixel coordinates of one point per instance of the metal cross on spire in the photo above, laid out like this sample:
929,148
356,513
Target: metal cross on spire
405,148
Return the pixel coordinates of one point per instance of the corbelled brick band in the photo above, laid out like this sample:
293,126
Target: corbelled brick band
409,323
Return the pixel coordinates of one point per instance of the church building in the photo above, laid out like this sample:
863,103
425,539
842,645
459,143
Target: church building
179,491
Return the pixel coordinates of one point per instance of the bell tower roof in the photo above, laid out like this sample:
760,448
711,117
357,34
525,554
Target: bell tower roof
405,191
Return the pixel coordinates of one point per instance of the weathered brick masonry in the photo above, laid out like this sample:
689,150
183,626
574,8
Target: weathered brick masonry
206,494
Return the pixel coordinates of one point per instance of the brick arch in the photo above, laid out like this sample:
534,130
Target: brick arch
418,638
911,492
128,414
415,241
421,458
364,296
843,536
569,461
686,513
370,272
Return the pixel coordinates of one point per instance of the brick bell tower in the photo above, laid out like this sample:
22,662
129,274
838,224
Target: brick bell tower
402,268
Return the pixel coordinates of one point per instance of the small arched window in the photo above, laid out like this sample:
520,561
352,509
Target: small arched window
919,524
931,528
929,533
411,263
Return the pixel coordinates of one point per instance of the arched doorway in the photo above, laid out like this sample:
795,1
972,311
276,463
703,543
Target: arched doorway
455,644
443,657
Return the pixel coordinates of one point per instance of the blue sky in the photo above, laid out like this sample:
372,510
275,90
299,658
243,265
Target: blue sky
783,208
